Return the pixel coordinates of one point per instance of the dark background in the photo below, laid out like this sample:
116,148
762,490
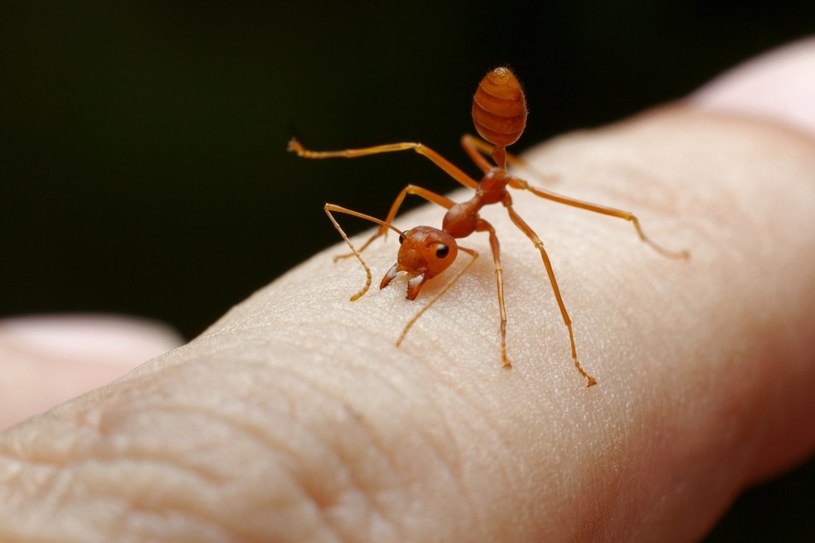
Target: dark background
142,144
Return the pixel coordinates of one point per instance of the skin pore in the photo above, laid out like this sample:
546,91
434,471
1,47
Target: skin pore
295,418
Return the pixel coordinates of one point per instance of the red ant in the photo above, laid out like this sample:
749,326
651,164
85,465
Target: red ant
499,114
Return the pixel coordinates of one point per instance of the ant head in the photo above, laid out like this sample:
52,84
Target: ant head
424,253
499,108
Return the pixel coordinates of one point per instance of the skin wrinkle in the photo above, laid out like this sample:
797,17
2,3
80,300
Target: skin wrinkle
157,502
343,460
158,512
224,518
346,461
60,497
446,463
62,528
42,452
386,377
156,516
145,456
356,488
56,486
151,525
270,446
211,417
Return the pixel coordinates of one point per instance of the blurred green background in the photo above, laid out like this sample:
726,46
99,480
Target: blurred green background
142,144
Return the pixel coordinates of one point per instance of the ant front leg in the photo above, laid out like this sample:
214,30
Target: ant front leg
526,229
473,256
518,183
339,209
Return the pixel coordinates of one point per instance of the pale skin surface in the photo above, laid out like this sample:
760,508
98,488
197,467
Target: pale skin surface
294,418
47,360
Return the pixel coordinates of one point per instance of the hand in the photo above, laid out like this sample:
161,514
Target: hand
295,418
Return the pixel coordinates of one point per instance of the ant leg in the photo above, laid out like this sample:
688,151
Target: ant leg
331,207
451,169
517,183
474,255
474,148
397,203
521,224
416,190
484,226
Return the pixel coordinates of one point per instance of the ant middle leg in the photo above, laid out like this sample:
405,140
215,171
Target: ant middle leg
473,256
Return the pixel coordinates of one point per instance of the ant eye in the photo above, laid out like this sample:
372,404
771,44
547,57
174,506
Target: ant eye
402,236
442,250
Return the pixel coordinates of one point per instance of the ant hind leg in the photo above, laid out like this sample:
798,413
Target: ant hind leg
518,183
527,230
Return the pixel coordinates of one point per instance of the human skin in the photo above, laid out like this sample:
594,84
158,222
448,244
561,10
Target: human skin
47,360
295,418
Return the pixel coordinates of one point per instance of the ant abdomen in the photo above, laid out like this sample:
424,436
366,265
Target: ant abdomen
499,108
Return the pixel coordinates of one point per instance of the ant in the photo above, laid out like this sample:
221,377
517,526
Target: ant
499,113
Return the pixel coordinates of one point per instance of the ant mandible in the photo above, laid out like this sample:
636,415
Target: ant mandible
499,114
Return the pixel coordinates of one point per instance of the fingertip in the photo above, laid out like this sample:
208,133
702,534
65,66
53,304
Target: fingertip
50,359
109,339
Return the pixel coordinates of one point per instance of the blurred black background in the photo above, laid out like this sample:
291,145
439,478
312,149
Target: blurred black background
142,144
